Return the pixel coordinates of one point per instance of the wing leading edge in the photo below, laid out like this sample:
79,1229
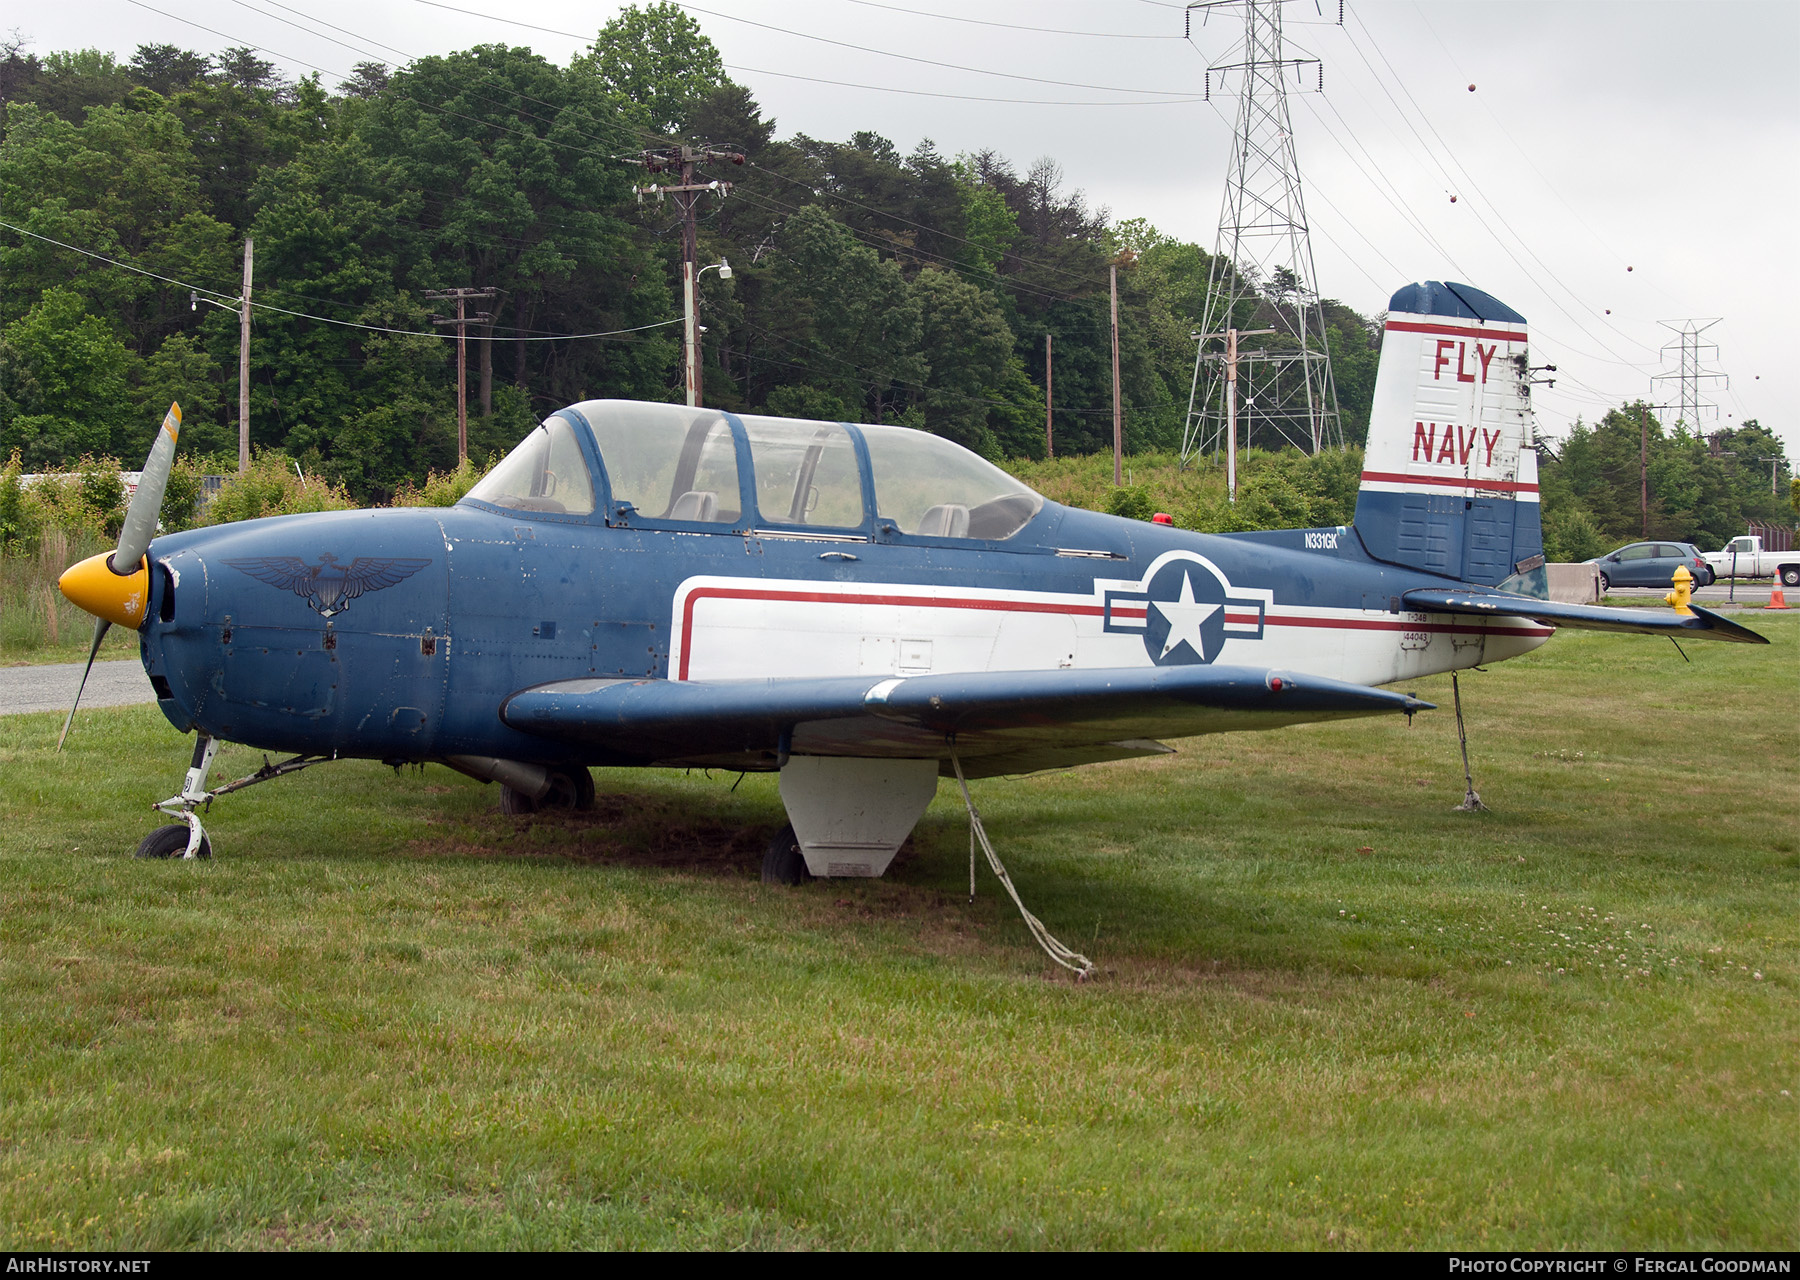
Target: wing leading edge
1702,623
1000,721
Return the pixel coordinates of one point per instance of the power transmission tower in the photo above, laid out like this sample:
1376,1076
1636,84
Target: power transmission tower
462,320
1262,270
687,195
1693,361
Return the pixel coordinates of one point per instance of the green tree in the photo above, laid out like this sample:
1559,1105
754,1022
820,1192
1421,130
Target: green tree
657,58
968,354
64,383
848,313
182,371
164,68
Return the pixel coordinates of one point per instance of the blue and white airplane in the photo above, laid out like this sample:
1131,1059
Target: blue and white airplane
862,608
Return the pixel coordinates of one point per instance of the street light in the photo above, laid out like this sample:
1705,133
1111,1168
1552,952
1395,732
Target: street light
691,338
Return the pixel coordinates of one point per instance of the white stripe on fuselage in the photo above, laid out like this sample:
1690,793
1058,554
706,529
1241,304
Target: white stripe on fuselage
749,628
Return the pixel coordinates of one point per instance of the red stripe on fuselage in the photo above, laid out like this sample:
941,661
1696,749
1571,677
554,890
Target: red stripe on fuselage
1454,331
1451,482
1068,610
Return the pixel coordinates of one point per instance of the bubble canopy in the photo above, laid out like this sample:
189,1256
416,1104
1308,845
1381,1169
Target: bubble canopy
710,470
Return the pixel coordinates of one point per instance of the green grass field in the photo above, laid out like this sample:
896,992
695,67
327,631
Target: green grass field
1332,1013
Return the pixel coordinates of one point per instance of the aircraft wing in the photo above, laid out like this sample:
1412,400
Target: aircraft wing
1702,623
1000,721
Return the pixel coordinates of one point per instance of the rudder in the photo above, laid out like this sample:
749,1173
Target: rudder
1449,482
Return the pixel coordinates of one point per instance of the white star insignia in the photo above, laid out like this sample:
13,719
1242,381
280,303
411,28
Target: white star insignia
1185,619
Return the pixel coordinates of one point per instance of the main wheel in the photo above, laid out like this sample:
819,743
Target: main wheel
1790,575
784,863
571,788
171,842
1605,584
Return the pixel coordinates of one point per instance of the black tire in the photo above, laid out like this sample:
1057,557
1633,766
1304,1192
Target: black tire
1790,576
171,842
1605,584
784,863
571,788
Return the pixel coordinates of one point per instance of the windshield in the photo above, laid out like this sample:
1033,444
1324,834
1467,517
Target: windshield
927,485
545,472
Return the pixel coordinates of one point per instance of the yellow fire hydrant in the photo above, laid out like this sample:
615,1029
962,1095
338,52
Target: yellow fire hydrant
1684,590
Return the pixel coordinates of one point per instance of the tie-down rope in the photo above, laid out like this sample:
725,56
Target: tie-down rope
1074,961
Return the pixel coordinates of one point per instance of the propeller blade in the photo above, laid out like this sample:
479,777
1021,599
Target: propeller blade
101,627
146,503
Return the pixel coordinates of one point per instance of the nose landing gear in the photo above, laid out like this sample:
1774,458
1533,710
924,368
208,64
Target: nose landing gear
187,838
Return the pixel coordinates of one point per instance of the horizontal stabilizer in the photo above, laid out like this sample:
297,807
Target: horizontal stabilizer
1702,623
1022,714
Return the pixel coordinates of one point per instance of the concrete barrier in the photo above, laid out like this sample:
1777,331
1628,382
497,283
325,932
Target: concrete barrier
1574,583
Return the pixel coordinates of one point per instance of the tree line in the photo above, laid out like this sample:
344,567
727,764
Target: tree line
868,283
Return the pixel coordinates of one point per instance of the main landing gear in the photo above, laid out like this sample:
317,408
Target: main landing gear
187,838
570,788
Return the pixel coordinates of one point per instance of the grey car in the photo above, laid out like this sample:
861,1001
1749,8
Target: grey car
1651,564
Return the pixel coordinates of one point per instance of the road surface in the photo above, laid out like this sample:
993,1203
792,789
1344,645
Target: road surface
118,683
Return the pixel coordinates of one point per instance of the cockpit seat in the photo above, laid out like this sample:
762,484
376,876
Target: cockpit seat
947,520
696,504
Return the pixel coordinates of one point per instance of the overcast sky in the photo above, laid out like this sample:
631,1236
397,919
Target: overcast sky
1636,158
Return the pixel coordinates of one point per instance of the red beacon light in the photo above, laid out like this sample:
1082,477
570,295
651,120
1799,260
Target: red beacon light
1162,517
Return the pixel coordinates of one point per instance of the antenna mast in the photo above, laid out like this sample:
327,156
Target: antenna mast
1262,272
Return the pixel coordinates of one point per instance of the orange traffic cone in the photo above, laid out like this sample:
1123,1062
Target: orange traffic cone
1776,599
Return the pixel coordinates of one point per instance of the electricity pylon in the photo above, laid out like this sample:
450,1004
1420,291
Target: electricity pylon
1693,359
1262,272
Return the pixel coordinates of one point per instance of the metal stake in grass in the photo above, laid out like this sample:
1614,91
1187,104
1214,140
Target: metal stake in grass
1471,801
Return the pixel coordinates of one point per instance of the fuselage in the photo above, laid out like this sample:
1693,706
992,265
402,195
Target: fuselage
398,634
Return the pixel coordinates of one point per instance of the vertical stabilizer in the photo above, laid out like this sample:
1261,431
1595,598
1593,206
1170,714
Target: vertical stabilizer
1449,480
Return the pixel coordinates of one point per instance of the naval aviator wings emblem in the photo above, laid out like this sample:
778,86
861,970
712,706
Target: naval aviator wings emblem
328,587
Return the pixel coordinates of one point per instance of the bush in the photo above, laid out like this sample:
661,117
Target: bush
442,488
1132,501
274,487
18,526
1571,536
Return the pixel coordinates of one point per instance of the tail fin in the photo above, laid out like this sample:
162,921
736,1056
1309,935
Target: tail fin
1449,481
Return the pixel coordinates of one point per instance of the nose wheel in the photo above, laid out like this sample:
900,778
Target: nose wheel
172,842
187,838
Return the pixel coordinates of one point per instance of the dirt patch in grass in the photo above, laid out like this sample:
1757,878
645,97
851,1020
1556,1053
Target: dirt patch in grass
627,830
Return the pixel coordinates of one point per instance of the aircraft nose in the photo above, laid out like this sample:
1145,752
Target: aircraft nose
93,585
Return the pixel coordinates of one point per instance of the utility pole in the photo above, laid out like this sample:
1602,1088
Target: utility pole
462,320
1049,433
687,193
1230,358
1127,258
244,358
1262,259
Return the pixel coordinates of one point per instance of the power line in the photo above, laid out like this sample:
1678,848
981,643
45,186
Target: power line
929,62
647,134
1171,94
1010,26
347,324
1473,185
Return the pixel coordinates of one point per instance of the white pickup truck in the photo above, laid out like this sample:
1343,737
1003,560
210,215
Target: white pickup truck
1746,558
